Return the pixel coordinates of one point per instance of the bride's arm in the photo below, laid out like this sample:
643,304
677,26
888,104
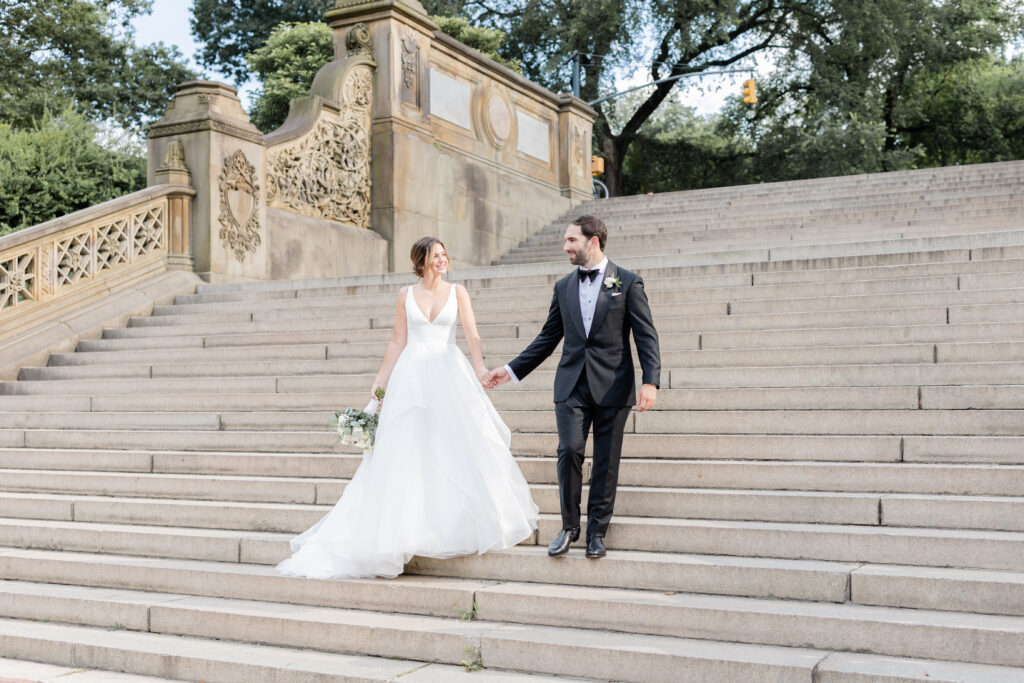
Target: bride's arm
395,346
469,329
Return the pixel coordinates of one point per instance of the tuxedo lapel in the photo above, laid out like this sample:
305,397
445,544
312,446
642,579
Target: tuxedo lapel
604,299
572,303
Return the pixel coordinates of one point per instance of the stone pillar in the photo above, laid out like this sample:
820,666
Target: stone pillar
575,124
174,171
227,234
398,33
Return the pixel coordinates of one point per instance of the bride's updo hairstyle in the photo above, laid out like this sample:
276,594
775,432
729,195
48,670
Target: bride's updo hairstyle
421,251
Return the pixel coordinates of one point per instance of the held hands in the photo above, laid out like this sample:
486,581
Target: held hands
489,379
645,397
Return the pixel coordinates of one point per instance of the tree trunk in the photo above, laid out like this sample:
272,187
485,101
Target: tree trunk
612,166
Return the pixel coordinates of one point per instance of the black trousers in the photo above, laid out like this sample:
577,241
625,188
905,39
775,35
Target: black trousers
575,416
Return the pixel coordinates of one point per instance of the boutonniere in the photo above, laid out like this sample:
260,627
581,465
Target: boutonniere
612,281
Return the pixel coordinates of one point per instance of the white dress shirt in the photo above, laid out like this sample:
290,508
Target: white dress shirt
589,291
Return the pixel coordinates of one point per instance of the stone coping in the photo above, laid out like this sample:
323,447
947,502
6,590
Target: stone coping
93,212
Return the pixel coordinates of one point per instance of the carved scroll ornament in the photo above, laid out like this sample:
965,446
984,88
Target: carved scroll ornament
326,173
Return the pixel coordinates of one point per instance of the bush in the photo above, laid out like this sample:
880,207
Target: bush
59,166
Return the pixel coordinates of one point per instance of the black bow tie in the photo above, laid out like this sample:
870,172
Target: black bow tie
588,274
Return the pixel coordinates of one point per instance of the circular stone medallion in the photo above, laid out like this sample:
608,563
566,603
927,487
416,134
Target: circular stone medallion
498,118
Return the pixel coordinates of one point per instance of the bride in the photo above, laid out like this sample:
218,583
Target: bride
441,481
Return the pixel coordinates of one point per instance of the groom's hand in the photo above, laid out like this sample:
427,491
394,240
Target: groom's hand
645,397
500,376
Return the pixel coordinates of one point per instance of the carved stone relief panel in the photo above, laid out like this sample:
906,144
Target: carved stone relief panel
358,41
497,117
239,205
579,150
410,88
326,173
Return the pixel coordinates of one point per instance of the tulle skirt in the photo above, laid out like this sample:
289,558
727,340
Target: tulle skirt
440,482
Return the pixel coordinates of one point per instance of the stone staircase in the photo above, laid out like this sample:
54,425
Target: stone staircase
830,488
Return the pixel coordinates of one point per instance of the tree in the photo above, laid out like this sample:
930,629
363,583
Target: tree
853,91
82,53
687,36
230,30
60,165
285,66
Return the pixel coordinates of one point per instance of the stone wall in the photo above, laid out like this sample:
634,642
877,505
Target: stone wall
463,148
406,133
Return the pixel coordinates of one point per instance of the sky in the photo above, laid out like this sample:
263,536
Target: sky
169,23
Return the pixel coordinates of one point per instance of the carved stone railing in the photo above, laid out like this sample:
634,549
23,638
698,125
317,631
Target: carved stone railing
147,231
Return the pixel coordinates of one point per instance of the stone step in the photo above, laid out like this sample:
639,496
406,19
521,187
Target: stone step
991,274
849,375
778,470
211,660
657,230
716,302
784,579
349,358
839,190
811,250
660,230
965,449
526,329
881,334
670,289
666,233
250,503
24,670
383,316
975,549
189,421
932,634
371,342
663,265
786,398
540,649
984,639
669,422
924,547
495,281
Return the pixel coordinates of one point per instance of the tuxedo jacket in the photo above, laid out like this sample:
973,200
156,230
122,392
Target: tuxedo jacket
606,352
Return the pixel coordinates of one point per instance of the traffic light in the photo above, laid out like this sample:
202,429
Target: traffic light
596,165
749,91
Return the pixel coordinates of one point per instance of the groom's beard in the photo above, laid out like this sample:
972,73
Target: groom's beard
578,258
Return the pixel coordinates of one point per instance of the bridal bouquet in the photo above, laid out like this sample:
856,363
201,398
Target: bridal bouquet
359,427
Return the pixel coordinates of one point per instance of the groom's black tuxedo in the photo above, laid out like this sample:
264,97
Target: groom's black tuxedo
605,353
594,383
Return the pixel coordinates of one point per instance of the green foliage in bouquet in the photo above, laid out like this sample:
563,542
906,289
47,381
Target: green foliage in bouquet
358,427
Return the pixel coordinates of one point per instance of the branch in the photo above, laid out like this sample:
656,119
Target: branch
488,10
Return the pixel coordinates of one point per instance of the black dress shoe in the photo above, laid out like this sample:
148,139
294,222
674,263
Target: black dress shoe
565,537
595,547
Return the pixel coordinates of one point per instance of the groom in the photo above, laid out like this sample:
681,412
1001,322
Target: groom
594,309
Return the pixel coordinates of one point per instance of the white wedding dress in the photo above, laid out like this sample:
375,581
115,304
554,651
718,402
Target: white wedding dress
440,482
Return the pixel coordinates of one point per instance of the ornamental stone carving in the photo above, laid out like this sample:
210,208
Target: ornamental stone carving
410,59
174,159
358,41
326,173
239,205
579,156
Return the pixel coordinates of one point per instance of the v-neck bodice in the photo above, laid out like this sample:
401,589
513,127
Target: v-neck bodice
439,330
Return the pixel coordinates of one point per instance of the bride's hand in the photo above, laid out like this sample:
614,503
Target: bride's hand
377,386
485,377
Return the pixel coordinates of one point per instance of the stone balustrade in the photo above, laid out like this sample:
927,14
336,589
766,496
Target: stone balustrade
147,231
